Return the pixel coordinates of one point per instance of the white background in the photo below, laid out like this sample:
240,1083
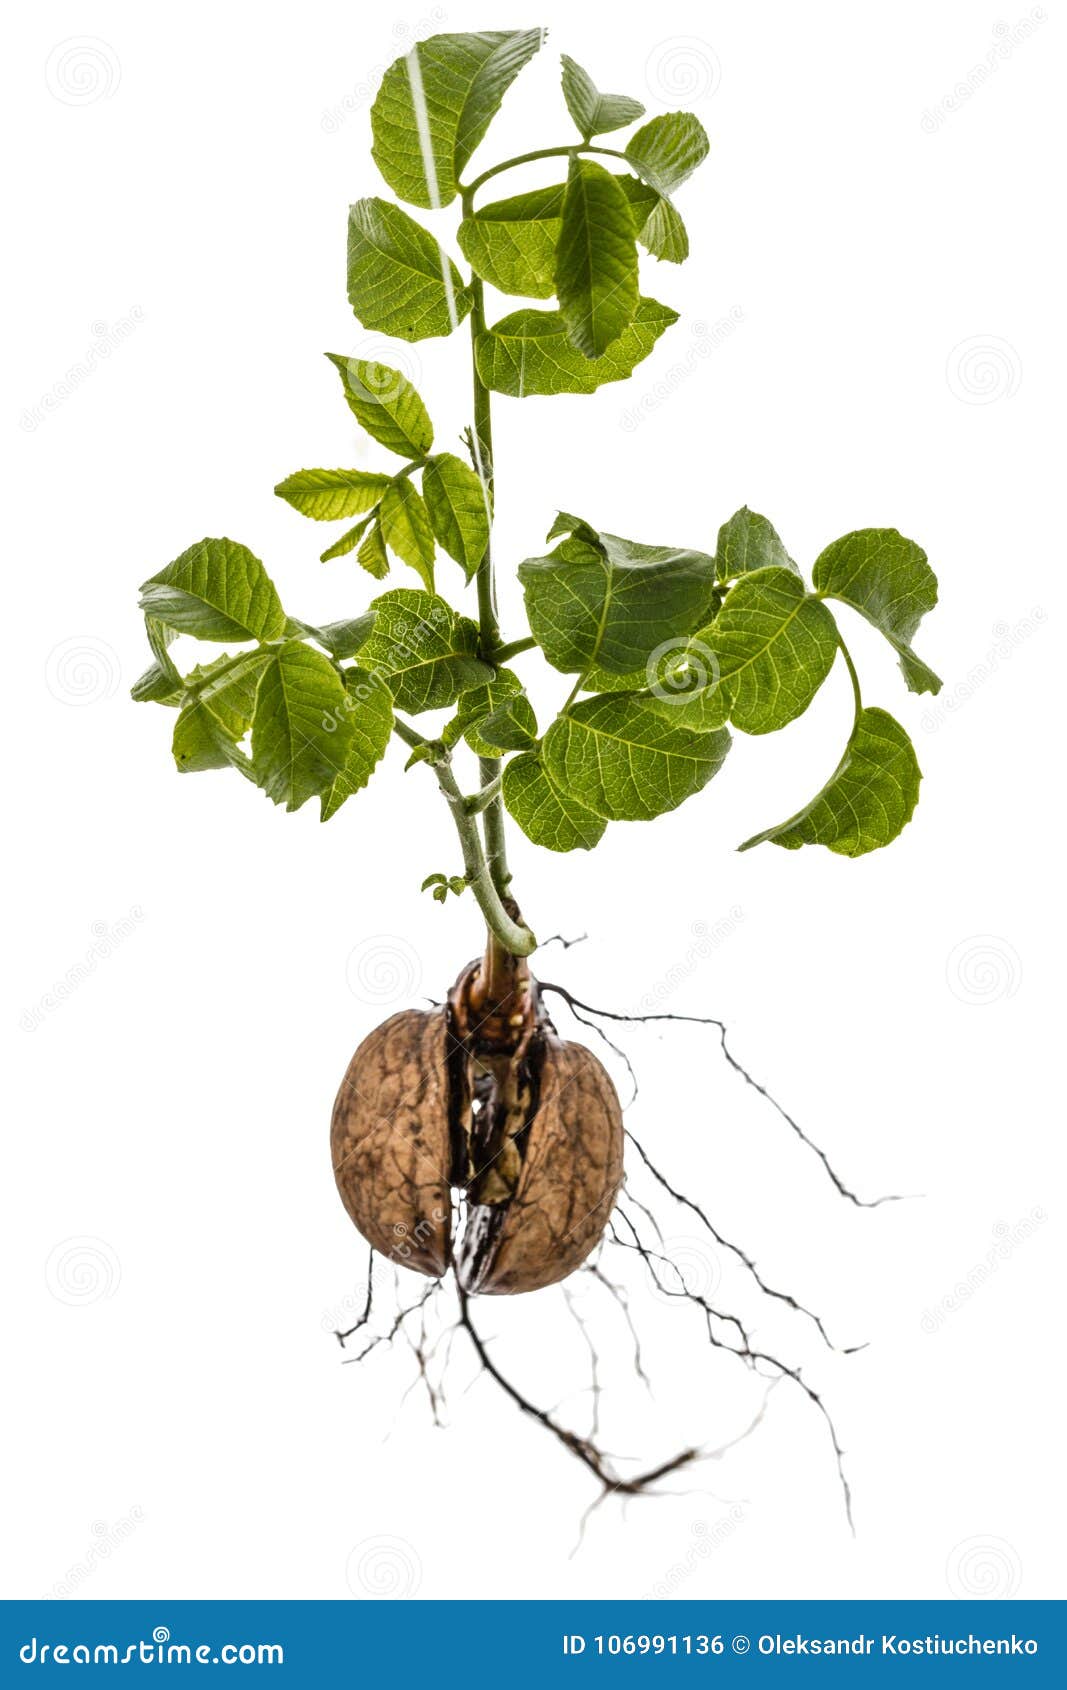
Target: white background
875,274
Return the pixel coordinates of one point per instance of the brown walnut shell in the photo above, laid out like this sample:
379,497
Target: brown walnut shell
391,1142
572,1163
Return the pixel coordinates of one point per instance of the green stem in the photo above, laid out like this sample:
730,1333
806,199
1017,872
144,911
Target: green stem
531,158
512,936
504,652
852,675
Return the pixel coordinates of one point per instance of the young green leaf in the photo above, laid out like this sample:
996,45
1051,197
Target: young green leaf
614,602
456,501
341,639
867,801
888,580
349,540
328,494
302,726
435,105
427,654
217,713
624,761
667,150
747,542
595,113
216,590
596,260
161,683
405,526
372,555
530,352
400,280
548,815
475,705
370,705
774,646
512,726
512,243
664,233
384,402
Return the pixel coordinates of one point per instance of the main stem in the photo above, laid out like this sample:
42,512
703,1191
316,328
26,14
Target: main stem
500,965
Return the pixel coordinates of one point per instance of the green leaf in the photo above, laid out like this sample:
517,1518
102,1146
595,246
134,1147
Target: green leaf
475,705
456,501
595,113
427,654
327,494
774,645
530,352
748,542
348,541
400,280
371,715
302,727
384,402
867,801
664,233
405,526
421,147
217,713
547,815
161,683
667,150
372,555
624,761
888,580
614,602
680,684
512,726
512,243
216,590
341,639
596,261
